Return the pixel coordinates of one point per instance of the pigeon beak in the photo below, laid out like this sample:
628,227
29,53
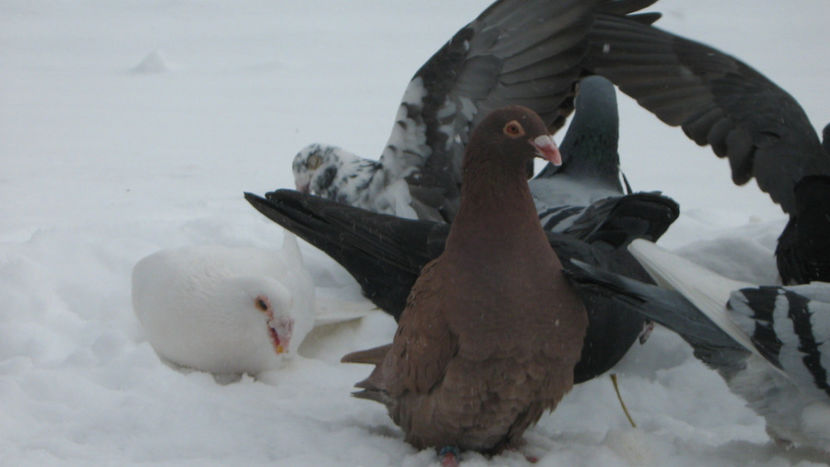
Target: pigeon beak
278,344
280,330
546,149
302,188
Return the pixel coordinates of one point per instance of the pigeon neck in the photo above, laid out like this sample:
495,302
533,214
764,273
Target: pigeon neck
602,169
496,205
592,156
589,149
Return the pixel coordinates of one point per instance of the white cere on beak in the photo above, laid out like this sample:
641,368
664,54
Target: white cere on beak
546,149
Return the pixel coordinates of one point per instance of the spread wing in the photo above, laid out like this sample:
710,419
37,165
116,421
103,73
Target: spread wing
515,52
717,100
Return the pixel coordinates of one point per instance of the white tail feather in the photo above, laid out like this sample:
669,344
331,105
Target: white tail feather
330,310
707,290
290,248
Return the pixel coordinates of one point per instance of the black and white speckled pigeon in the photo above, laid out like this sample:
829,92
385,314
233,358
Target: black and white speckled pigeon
767,342
515,52
385,254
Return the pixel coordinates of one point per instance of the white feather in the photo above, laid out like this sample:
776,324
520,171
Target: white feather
707,290
331,310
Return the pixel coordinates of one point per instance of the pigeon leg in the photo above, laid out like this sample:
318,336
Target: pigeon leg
622,404
449,456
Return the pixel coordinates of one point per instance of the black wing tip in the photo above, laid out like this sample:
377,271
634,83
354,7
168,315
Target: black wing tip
285,193
258,202
646,18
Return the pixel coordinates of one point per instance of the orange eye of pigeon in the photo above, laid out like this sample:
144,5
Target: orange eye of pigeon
514,129
314,161
260,303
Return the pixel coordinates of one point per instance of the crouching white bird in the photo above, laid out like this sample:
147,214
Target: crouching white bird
771,344
226,310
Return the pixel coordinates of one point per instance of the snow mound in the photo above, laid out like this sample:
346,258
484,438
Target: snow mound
154,62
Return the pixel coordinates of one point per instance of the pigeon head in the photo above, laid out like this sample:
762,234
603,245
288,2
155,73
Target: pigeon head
279,329
244,324
306,164
269,303
510,137
315,167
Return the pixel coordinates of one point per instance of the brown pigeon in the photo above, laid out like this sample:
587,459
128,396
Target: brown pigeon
491,330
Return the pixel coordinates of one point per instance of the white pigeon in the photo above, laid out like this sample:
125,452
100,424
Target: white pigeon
227,310
767,342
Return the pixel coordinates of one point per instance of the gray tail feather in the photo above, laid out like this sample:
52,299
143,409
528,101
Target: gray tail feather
711,344
373,356
373,394
371,389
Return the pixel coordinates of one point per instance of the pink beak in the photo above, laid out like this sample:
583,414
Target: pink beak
547,149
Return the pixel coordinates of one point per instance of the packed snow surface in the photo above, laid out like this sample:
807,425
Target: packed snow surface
131,126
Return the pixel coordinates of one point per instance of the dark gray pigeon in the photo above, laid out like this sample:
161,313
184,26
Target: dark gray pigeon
491,330
578,194
767,342
590,169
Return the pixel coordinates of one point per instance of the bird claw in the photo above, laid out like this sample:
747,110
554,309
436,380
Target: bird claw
449,456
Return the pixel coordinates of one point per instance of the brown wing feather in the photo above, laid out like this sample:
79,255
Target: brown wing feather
373,356
420,353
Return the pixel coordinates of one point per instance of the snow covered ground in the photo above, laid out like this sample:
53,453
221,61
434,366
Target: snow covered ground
134,125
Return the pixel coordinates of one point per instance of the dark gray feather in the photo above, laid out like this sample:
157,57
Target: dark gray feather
717,99
667,307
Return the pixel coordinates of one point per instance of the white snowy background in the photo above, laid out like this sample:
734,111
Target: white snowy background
106,157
